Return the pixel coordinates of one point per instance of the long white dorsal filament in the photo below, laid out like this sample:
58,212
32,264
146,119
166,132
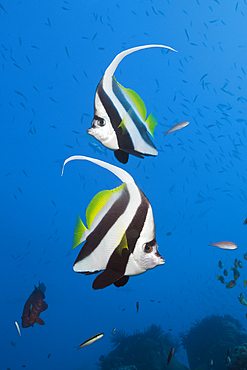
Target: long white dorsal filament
112,67
119,172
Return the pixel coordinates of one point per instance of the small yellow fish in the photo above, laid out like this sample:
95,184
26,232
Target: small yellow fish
91,340
221,279
245,283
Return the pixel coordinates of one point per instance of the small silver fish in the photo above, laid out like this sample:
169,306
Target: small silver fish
224,245
18,328
177,127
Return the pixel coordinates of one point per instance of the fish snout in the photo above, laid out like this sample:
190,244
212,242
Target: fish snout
160,259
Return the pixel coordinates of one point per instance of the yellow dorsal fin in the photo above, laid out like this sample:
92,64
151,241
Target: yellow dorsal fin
98,202
80,228
136,99
151,123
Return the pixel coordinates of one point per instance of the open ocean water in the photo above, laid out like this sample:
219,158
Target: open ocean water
52,56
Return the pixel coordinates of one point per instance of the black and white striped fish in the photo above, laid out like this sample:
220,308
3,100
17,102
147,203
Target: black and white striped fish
120,238
120,121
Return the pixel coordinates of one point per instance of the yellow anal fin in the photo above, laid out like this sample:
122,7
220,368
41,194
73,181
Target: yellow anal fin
122,245
124,122
80,228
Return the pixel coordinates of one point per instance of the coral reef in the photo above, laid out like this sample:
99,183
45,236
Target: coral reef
141,351
119,336
239,359
208,340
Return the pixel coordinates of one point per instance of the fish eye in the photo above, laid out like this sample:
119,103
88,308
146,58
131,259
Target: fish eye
101,122
147,248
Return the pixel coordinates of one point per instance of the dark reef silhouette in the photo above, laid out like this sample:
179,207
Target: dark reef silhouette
141,351
207,343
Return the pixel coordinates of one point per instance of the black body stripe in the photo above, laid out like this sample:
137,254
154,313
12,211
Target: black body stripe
108,220
124,141
118,261
138,123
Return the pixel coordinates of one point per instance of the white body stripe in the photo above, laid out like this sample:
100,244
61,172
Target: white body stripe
109,138
138,141
127,212
99,258
135,264
111,107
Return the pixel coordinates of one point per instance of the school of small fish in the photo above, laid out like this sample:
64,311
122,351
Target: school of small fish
118,238
235,275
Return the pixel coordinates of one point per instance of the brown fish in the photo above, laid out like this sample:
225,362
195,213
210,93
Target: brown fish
170,355
33,307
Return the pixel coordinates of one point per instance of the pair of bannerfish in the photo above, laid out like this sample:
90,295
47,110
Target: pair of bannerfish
120,234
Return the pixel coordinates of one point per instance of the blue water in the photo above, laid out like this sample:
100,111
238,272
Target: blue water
53,54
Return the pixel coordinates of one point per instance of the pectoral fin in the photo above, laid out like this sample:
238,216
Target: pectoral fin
121,156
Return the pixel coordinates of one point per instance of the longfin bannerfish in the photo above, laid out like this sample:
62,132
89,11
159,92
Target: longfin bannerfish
120,118
120,232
